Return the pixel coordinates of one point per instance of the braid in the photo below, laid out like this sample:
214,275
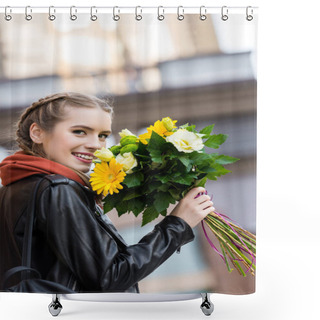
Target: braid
32,114
34,106
46,112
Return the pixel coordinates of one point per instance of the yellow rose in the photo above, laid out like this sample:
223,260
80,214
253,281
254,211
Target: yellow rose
186,141
104,154
128,161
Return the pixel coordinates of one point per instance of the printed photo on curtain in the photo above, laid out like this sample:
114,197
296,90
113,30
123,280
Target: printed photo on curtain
141,131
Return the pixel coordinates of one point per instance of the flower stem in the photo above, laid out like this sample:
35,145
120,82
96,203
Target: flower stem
231,245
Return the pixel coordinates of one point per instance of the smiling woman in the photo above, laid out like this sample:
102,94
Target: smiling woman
78,135
49,111
83,251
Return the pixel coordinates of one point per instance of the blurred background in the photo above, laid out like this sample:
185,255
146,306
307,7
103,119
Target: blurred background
201,72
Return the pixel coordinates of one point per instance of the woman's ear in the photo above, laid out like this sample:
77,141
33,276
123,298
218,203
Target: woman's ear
36,133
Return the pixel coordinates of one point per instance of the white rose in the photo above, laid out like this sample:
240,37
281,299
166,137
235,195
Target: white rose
128,160
186,141
125,132
104,154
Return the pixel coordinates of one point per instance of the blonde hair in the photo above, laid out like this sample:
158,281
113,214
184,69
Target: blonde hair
48,111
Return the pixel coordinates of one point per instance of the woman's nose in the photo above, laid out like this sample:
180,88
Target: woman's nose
94,143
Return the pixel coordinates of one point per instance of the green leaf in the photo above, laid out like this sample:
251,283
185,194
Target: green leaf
149,215
223,160
207,169
156,155
201,182
163,179
191,128
110,201
176,194
200,158
155,145
122,207
220,170
207,130
186,179
154,185
164,213
216,140
155,142
132,194
142,150
164,187
162,201
186,162
184,126
136,206
133,179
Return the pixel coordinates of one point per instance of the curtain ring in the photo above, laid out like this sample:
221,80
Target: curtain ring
203,13
93,17
7,16
224,13
180,15
28,16
160,16
73,16
138,16
249,16
52,16
116,17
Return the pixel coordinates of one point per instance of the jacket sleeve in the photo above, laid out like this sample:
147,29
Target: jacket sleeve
92,252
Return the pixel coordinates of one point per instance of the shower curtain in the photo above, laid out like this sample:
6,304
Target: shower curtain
195,66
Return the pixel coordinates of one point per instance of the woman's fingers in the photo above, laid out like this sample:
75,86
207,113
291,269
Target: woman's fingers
202,198
206,211
194,192
194,207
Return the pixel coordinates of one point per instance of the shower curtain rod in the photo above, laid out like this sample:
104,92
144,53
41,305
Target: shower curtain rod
126,9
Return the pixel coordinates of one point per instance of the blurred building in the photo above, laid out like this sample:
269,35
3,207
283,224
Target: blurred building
201,72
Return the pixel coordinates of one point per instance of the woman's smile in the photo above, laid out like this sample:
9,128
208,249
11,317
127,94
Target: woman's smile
83,156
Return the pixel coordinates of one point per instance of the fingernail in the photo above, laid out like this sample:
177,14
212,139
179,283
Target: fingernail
198,195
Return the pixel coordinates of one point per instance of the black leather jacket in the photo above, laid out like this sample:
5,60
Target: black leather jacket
77,246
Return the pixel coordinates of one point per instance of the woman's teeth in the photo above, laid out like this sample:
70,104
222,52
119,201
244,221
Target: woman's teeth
83,156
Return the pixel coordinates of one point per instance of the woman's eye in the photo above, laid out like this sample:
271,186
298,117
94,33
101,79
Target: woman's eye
79,132
103,136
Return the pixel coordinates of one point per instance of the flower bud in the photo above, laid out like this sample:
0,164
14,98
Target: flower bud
103,154
128,140
168,123
129,148
115,149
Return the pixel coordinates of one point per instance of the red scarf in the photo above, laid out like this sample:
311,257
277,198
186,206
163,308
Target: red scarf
21,165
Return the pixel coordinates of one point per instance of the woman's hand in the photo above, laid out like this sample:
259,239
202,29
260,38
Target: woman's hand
193,209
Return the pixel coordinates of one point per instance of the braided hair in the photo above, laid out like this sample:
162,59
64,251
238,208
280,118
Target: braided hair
47,112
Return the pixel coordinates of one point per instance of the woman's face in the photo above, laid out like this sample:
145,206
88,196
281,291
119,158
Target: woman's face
73,141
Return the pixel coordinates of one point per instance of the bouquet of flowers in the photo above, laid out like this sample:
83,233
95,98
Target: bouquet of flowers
145,174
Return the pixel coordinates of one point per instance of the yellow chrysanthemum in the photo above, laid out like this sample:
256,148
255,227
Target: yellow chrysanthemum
158,128
107,178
